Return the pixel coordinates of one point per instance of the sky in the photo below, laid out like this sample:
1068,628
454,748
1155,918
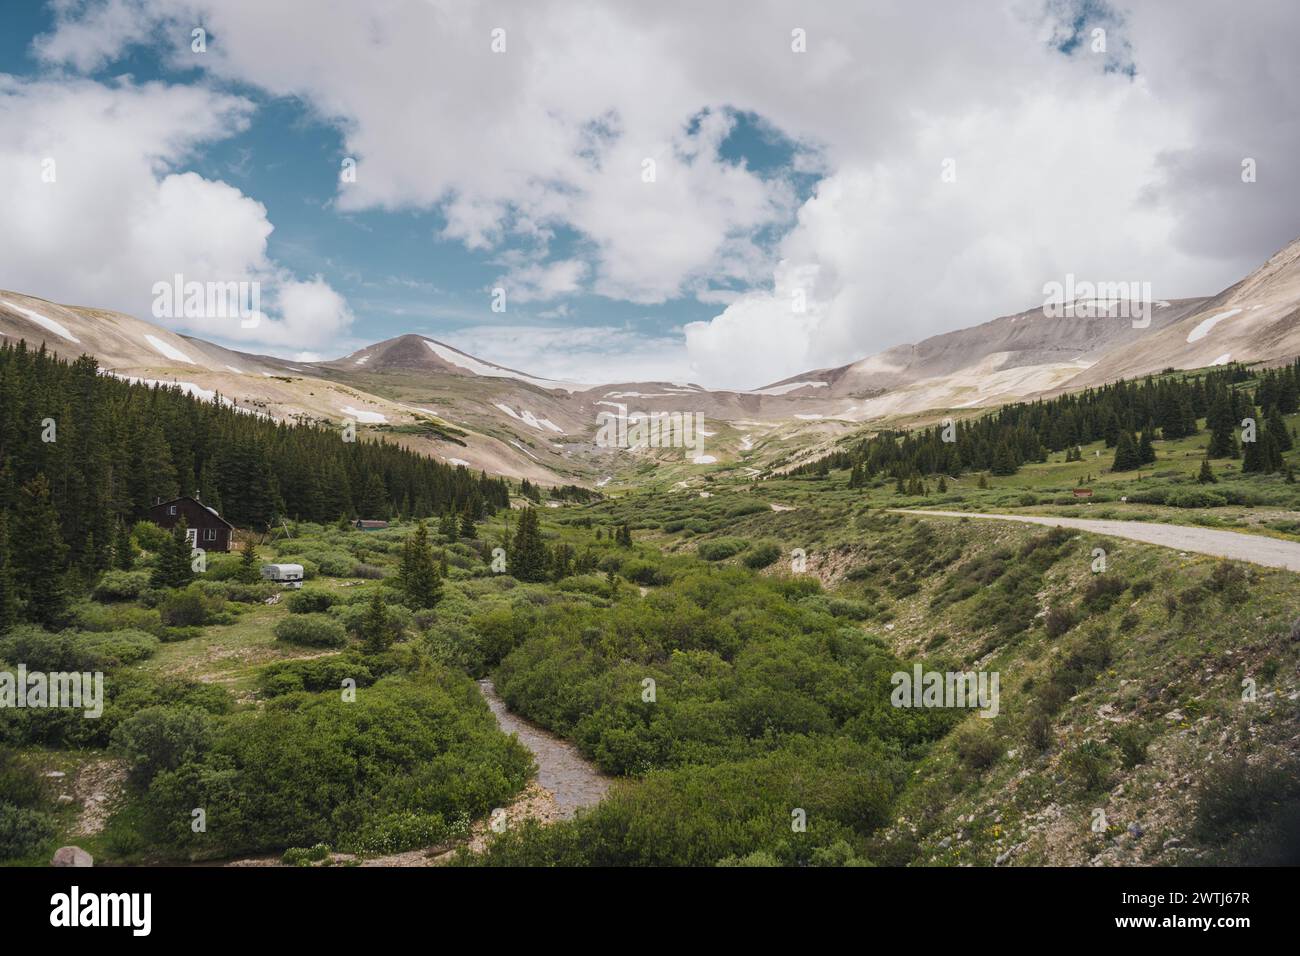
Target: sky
728,193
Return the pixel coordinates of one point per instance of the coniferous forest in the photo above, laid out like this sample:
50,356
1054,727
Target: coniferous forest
1127,415
83,455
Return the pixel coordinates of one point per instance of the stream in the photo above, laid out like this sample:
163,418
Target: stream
571,778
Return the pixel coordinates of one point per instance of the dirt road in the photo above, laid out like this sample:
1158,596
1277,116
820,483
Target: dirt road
1257,549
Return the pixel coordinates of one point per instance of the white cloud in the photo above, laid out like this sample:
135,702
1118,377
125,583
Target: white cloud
116,219
1063,164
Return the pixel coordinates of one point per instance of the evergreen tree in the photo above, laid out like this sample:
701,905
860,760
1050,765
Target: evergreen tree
1004,461
1206,477
39,555
467,528
377,631
8,582
1277,428
1127,456
418,574
174,568
123,549
1146,451
528,558
447,526
250,571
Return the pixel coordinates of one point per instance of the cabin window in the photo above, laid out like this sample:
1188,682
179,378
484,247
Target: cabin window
209,534
171,510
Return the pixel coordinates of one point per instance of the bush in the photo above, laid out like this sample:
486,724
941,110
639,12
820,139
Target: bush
121,585
23,831
75,650
310,602
644,572
1230,582
311,630
161,738
1101,591
1088,764
976,745
1132,741
719,549
189,608
1058,620
1196,498
761,554
318,674
150,537
306,856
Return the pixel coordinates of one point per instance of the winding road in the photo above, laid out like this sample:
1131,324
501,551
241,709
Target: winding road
1256,549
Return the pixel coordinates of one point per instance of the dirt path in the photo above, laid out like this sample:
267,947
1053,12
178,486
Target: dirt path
1257,549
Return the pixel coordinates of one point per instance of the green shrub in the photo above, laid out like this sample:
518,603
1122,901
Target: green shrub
719,549
976,744
311,630
161,738
121,585
761,554
23,831
189,607
1088,764
308,601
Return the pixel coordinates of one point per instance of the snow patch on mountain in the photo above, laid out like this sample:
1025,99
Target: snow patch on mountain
55,327
167,350
1203,329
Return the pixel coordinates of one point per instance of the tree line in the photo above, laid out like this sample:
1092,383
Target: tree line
83,455
1127,415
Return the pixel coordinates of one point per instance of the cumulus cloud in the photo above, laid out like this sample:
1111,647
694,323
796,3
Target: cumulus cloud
96,216
1124,164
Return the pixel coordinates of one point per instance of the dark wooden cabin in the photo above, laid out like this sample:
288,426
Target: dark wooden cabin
207,529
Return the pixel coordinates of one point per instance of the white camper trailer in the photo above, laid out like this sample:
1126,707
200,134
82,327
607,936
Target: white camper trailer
288,575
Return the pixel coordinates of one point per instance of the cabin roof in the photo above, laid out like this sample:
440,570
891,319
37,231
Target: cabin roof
211,511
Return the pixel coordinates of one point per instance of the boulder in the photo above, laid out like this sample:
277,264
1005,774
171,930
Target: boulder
72,856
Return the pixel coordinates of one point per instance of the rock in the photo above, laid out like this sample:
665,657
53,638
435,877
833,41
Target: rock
945,843
72,856
55,774
64,799
1003,857
1171,843
1135,830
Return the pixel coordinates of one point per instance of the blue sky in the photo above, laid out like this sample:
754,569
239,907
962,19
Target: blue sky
397,271
787,170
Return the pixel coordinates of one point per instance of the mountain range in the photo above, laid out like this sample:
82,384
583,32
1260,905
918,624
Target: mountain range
466,410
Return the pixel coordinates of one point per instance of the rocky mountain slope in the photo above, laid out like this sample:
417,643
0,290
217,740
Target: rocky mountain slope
469,411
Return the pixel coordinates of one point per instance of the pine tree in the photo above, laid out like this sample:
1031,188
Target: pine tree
1004,460
1277,428
1206,477
377,631
528,558
467,528
39,555
249,571
1127,456
1146,451
418,574
123,549
447,526
174,568
8,583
